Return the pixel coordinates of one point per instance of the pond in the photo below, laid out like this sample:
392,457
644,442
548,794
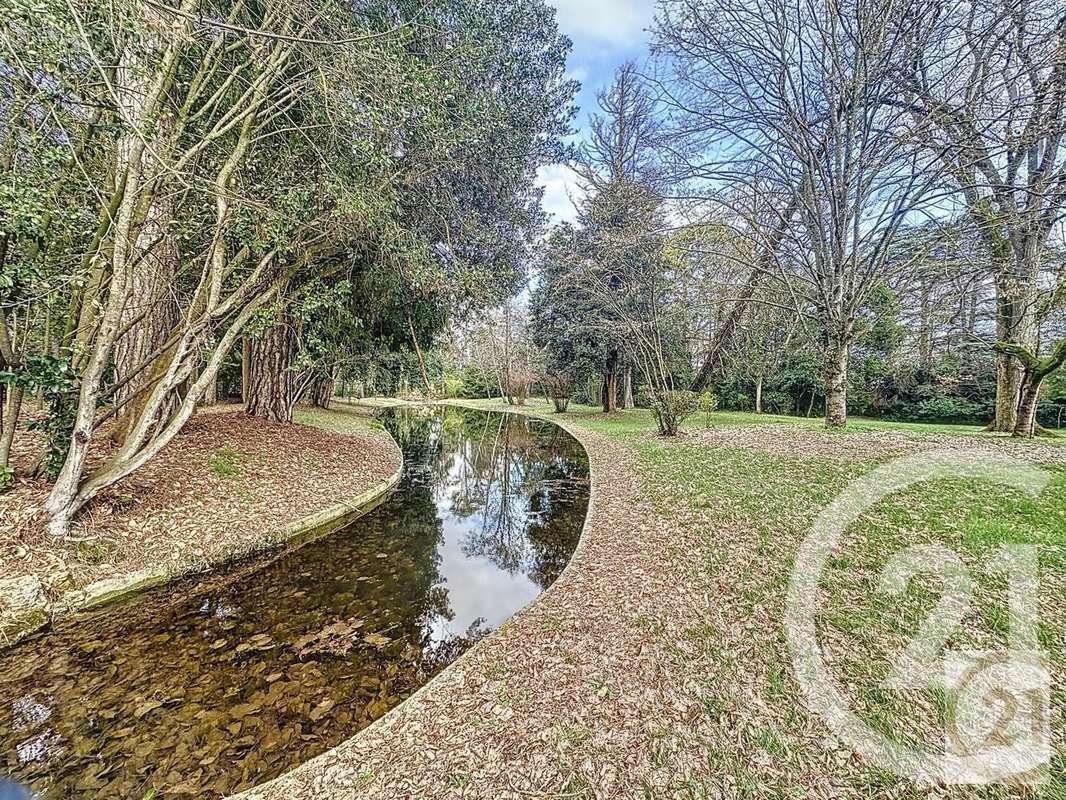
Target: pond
206,690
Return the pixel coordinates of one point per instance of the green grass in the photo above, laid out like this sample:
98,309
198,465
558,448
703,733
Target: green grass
755,507
636,421
340,418
225,462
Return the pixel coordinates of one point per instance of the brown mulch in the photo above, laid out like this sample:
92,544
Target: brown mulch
591,691
179,511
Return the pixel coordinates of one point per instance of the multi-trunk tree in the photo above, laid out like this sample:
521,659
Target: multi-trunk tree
209,163
985,81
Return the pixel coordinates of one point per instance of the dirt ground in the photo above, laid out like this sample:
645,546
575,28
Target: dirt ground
225,485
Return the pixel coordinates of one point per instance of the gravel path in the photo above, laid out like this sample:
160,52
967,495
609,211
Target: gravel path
590,692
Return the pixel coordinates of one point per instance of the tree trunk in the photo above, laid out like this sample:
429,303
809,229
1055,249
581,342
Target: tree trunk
1034,371
246,368
151,312
141,81
421,359
12,407
322,392
723,336
1025,422
1007,391
627,394
609,391
1015,324
211,395
270,385
758,394
836,384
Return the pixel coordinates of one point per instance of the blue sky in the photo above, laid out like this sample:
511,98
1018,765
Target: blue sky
605,34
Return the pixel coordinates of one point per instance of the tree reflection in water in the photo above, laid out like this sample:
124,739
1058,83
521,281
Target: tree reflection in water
242,677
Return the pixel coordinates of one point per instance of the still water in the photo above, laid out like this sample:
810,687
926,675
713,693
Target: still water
239,679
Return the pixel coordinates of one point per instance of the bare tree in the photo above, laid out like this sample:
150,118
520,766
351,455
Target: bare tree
987,81
791,93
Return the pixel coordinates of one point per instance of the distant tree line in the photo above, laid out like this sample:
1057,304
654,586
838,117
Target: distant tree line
823,209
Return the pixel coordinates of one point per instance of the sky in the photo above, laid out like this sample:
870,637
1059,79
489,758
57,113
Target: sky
605,33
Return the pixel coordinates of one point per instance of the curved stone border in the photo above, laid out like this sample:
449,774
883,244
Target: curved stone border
257,792
33,610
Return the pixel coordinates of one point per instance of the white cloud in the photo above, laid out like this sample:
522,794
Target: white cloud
579,74
618,22
561,191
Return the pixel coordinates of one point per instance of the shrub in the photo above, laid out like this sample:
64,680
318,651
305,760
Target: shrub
948,409
516,382
560,388
708,405
670,407
453,385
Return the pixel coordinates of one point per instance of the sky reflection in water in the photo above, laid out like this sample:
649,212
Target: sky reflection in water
202,694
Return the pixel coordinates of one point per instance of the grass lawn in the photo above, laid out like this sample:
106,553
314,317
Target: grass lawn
755,492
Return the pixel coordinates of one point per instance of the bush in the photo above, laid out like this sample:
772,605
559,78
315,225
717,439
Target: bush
708,405
670,407
949,409
516,382
559,388
453,385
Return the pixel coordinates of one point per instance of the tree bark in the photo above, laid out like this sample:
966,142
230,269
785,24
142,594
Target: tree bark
758,394
1015,324
150,312
271,381
322,392
712,361
836,384
1025,422
723,335
1034,371
246,368
609,389
12,407
627,394
211,394
421,359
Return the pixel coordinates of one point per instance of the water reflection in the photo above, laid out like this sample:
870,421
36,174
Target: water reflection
205,696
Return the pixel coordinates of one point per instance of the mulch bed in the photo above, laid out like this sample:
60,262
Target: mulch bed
227,482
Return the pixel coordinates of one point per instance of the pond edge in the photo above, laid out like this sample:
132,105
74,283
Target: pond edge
37,611
255,792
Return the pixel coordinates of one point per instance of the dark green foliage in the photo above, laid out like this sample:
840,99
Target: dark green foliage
53,379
